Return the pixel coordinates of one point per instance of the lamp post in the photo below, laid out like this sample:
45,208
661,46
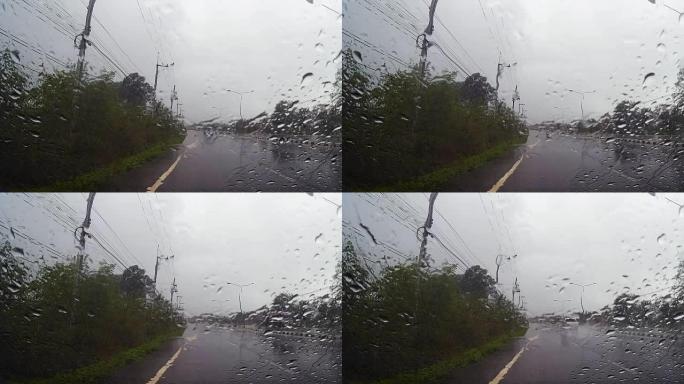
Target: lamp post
581,93
582,294
240,298
240,94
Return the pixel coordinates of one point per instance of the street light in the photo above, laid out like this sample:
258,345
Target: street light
240,298
581,93
499,261
240,93
582,294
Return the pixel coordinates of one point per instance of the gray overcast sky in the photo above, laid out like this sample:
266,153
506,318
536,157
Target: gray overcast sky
262,45
608,46
281,242
623,242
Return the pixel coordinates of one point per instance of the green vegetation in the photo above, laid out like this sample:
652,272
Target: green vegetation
76,327
399,128
411,324
98,179
438,179
95,373
54,129
631,310
437,372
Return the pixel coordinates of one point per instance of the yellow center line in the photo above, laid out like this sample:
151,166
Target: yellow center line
502,180
510,364
166,174
166,366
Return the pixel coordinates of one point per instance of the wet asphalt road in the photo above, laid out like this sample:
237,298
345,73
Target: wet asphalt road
209,161
565,163
583,354
211,354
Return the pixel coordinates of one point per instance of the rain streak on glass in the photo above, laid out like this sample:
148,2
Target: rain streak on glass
486,95
170,95
170,288
513,288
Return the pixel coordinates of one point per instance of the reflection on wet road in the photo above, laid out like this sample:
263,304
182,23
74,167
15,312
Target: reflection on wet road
569,163
212,161
213,354
552,353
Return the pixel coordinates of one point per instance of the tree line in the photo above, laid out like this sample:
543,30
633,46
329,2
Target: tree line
632,310
54,319
409,317
399,126
54,127
634,117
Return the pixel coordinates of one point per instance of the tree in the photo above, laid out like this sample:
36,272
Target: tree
13,85
476,90
135,90
477,282
134,282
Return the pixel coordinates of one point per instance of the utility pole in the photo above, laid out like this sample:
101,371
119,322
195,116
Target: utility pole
173,290
80,257
156,73
240,94
426,230
516,97
173,97
516,288
80,254
425,43
156,264
499,71
84,40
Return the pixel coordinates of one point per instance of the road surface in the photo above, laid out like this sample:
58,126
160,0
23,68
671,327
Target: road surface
209,161
212,354
567,163
582,354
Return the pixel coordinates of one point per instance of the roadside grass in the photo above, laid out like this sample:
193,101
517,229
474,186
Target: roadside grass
98,178
436,180
95,373
437,372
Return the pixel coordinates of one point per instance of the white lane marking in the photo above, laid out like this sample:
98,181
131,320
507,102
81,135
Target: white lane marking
166,366
508,366
502,180
166,174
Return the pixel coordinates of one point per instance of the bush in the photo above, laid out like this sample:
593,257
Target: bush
397,128
52,129
409,319
54,321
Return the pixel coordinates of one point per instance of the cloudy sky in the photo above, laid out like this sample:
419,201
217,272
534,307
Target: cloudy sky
622,242
280,242
606,46
265,46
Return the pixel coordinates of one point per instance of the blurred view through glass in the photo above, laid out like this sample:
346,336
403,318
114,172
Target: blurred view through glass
513,288
519,95
170,288
169,95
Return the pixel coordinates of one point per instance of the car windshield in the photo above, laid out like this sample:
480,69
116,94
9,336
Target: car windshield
514,288
488,95
170,95
128,288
